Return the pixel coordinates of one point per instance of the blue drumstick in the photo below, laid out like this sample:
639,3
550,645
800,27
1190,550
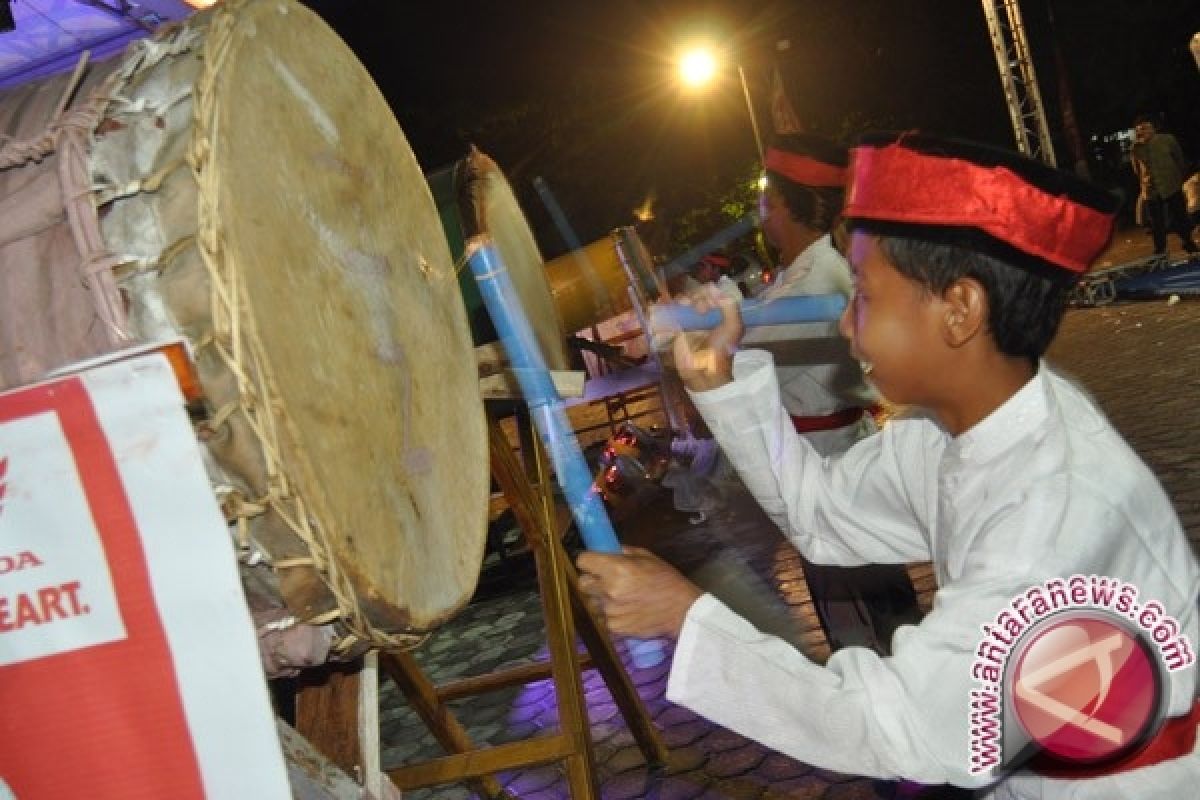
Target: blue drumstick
782,311
549,417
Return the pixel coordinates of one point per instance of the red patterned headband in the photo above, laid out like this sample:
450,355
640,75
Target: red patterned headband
803,169
896,184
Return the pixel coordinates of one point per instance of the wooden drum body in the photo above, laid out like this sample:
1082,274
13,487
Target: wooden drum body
239,181
591,285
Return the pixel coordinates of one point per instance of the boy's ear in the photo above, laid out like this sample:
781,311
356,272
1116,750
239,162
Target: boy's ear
965,309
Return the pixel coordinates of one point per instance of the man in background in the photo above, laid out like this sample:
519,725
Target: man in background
821,383
1161,169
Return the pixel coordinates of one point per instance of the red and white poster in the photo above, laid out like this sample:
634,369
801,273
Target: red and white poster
128,664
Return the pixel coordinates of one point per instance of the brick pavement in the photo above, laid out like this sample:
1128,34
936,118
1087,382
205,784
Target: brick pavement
1140,360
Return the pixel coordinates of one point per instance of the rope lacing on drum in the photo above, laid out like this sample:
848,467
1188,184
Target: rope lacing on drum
237,343
68,133
105,193
14,153
85,119
121,105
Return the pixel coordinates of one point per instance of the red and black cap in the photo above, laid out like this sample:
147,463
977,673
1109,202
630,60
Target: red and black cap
717,260
980,197
807,160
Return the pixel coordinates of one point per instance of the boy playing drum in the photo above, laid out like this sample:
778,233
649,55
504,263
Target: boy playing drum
1004,474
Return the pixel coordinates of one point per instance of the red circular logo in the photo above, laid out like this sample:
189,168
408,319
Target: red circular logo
1086,688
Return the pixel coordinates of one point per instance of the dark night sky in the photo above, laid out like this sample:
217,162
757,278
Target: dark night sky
582,93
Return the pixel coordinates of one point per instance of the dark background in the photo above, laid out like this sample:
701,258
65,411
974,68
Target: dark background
583,92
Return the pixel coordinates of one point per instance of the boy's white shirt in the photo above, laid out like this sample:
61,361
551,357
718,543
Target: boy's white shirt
1042,488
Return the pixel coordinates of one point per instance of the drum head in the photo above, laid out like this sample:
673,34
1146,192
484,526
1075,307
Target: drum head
354,295
474,197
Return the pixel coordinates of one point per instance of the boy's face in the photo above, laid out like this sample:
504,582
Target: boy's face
893,325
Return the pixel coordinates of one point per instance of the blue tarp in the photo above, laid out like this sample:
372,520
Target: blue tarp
1179,279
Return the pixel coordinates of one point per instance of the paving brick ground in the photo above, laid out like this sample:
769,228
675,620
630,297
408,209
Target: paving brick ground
1140,360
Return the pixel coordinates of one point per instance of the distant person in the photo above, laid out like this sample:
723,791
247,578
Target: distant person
748,274
714,268
1161,169
1006,474
824,392
698,473
1191,192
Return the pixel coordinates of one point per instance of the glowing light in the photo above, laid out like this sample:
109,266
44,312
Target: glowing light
200,3
697,67
762,182
645,212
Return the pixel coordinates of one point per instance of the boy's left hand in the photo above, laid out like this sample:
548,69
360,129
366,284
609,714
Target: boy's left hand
704,359
636,592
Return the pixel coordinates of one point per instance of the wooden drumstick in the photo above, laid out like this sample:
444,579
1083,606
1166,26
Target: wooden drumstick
755,313
549,416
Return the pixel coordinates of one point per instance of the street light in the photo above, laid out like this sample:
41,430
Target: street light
698,67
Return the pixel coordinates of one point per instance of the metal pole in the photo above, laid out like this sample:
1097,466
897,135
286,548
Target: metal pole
753,118
1019,80
683,262
1037,111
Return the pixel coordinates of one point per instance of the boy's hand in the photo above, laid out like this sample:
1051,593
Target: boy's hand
705,359
636,593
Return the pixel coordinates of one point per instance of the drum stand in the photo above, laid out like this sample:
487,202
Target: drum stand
565,615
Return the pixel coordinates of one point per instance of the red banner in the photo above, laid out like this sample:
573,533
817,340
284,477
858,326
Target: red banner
100,485
783,115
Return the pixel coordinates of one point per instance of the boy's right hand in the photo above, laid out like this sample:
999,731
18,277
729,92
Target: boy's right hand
636,593
705,359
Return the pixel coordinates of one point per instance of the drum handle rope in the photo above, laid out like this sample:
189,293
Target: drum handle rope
236,341
67,133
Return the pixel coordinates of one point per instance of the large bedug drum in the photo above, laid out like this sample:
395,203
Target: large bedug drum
473,198
240,181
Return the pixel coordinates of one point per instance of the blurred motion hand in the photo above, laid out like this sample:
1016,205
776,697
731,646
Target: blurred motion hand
705,359
636,592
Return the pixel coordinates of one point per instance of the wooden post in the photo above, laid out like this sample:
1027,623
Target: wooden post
327,713
337,711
